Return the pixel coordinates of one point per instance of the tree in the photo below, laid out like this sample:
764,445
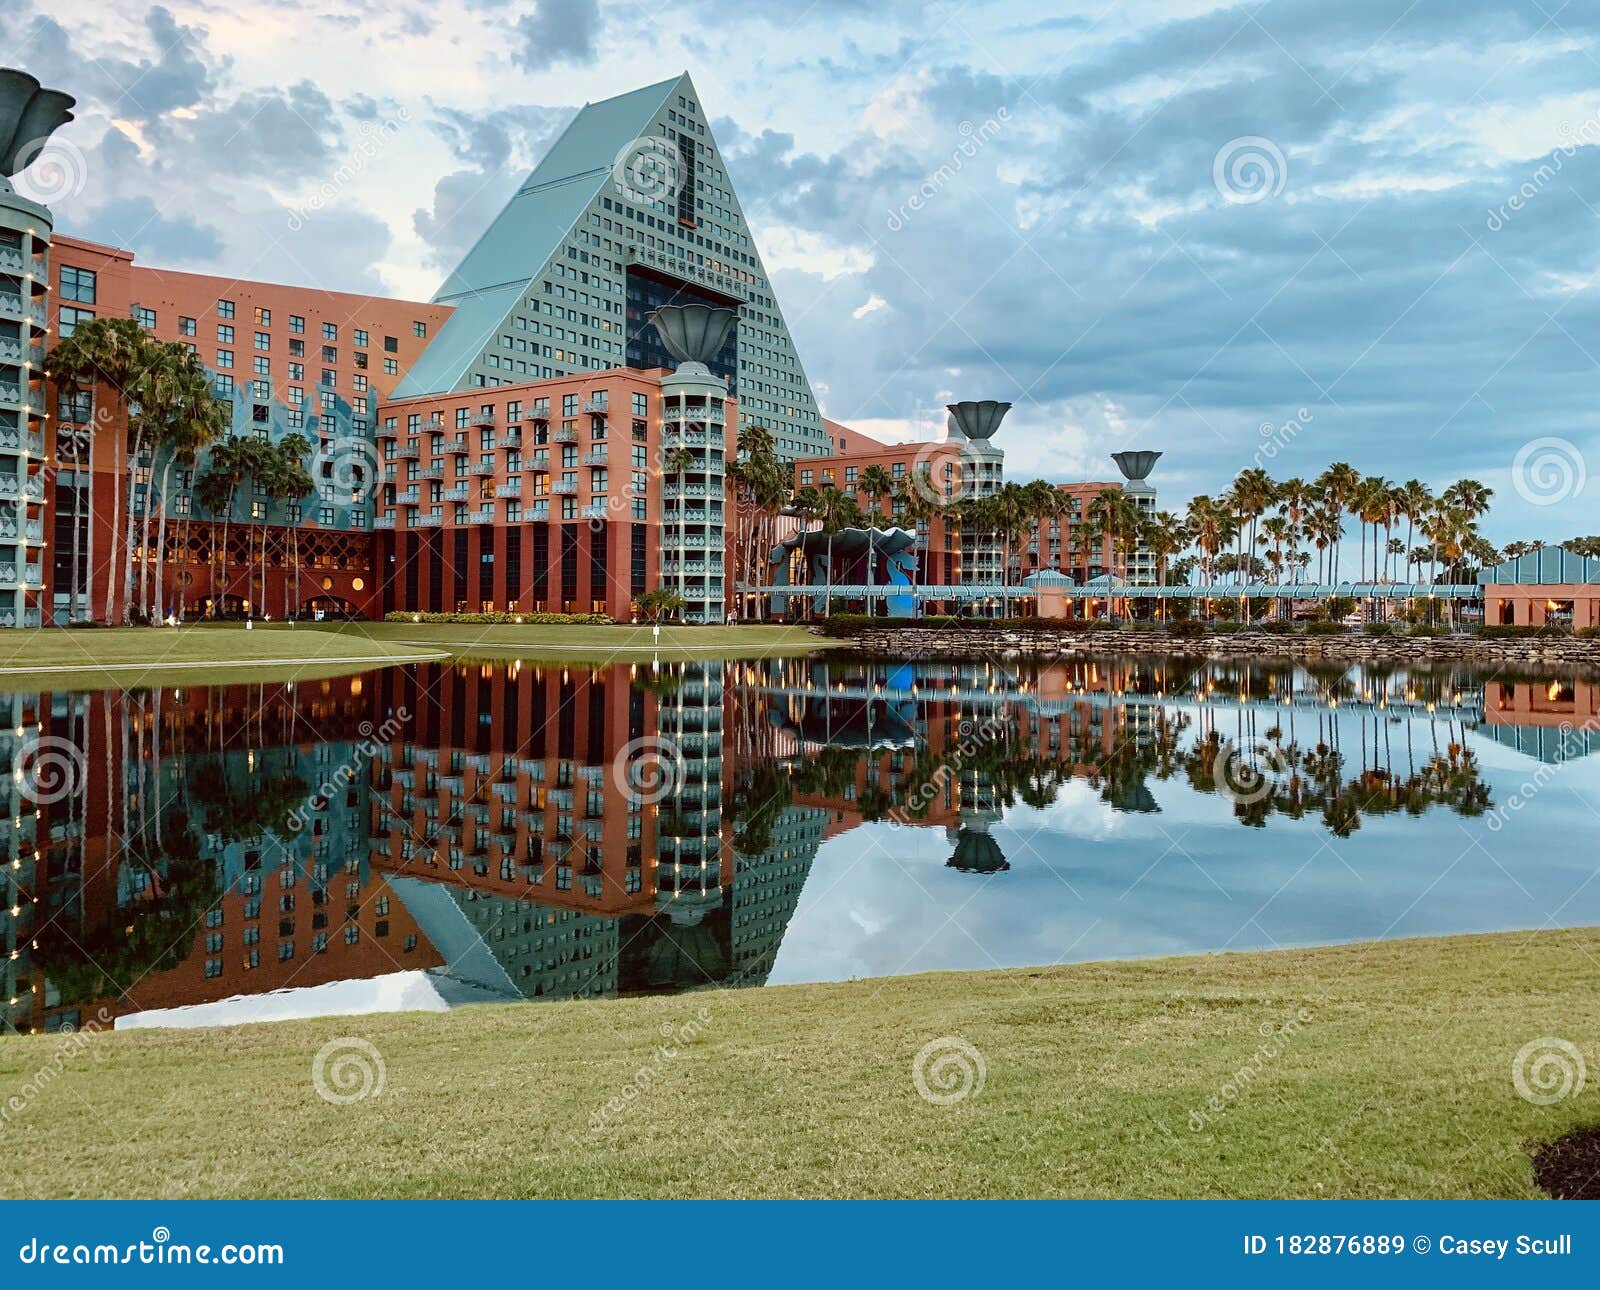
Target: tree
653,606
113,353
838,511
194,420
289,482
216,490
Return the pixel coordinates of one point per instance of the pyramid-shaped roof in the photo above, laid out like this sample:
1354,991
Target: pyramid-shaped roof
506,260
631,208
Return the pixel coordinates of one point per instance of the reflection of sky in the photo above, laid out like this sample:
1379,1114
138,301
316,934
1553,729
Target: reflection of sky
1088,882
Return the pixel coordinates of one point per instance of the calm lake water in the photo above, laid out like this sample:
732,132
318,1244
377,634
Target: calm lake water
425,837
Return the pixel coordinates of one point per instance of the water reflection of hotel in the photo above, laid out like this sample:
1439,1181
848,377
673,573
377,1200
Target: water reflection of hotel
495,845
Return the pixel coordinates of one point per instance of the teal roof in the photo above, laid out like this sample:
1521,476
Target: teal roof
1547,565
1048,578
515,248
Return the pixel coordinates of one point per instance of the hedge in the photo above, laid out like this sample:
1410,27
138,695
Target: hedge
497,618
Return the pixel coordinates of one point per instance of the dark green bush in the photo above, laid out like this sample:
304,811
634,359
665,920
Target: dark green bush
1324,629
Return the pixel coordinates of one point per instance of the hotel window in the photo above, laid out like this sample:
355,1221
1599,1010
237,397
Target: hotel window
330,331
360,360
262,366
69,318
419,330
297,349
324,515
805,477
146,318
330,354
390,367
263,340
224,334
391,345
186,325
78,284
297,371
224,384
263,317
213,967
224,309
296,323
224,358
569,405
360,339
329,377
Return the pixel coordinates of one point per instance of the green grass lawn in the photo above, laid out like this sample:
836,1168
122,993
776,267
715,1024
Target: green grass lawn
1397,1084
593,644
127,657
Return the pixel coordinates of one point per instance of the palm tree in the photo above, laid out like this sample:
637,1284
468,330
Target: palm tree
1115,517
1414,498
919,504
660,603
290,481
114,353
837,511
1164,535
216,490
196,419
1253,492
1338,485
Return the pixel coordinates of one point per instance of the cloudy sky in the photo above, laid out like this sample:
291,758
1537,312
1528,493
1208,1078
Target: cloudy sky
1277,234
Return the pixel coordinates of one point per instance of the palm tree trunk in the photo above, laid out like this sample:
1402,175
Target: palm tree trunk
127,539
116,520
161,538
144,534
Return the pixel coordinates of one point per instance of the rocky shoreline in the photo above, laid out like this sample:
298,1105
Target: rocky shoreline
905,642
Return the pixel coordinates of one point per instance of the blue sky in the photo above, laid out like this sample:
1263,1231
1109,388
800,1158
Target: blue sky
1278,234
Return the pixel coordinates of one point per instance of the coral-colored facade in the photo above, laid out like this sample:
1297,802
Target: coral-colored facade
289,358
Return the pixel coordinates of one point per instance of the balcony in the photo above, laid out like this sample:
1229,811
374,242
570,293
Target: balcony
565,434
481,517
383,521
425,521
459,446
564,487
596,511
408,452
510,439
455,494
430,472
388,432
536,511
594,404
513,489
410,497
430,425
481,419
594,457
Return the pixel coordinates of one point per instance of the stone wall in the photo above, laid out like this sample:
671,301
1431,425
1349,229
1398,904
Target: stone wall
915,642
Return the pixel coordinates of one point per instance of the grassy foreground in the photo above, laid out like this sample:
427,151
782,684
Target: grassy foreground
1396,1081
127,657
591,644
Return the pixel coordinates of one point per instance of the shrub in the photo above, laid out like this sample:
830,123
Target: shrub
1380,629
1187,628
499,618
1508,631
1325,629
1278,627
1427,629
